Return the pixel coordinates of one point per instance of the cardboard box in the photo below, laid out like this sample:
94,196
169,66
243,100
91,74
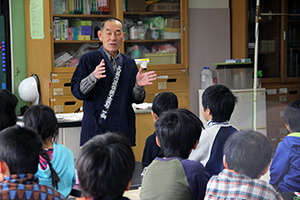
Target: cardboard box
136,5
158,7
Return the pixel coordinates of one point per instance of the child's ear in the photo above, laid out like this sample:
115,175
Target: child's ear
4,170
225,163
154,116
128,186
266,169
157,141
288,127
195,146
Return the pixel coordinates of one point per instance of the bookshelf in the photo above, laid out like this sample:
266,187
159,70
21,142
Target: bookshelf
42,55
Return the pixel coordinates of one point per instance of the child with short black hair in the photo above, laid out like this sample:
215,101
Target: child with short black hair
8,103
285,168
19,158
247,156
173,176
217,106
56,166
105,167
162,102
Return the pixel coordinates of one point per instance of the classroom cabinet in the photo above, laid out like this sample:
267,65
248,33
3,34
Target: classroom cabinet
70,30
279,41
278,54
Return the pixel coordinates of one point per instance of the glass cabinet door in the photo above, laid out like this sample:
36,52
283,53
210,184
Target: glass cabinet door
157,32
269,45
293,39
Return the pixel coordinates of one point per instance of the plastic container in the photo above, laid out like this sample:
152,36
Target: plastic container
209,79
203,78
142,30
134,32
235,76
206,78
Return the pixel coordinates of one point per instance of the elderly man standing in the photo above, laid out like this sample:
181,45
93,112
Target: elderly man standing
109,82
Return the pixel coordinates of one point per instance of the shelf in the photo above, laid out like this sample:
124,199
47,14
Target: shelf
81,16
64,69
146,41
75,41
153,13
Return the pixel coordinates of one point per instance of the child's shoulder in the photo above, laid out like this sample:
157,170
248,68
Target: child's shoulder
192,164
62,148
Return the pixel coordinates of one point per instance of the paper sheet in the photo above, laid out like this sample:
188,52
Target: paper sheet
36,9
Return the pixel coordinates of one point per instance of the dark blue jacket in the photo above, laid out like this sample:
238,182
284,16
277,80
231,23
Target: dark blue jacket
285,167
121,117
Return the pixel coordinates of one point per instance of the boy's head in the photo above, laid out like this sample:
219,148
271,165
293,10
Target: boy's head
292,116
178,132
42,119
8,103
164,101
105,166
248,152
19,149
219,101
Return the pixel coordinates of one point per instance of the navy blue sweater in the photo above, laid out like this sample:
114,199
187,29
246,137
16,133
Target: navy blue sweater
121,117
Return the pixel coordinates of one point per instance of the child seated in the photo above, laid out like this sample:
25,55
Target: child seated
56,167
19,158
105,167
8,103
173,176
285,168
217,106
162,102
247,156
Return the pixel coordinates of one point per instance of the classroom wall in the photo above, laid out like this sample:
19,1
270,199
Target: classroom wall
18,47
209,41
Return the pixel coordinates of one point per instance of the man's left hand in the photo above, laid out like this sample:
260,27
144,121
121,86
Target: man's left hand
143,79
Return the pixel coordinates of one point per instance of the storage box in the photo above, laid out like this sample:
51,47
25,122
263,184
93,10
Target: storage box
158,7
136,6
161,58
235,75
171,33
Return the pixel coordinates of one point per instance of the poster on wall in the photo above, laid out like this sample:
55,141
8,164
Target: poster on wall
36,9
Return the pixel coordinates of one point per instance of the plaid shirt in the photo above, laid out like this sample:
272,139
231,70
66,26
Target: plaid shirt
25,186
231,185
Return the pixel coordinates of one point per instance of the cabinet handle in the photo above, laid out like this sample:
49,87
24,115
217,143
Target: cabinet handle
183,28
50,29
284,35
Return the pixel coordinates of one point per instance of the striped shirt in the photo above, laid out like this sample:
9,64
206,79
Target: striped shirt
231,185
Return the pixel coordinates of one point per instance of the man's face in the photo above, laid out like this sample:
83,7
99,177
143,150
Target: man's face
112,36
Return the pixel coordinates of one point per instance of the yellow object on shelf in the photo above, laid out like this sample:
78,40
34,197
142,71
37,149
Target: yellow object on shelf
161,58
